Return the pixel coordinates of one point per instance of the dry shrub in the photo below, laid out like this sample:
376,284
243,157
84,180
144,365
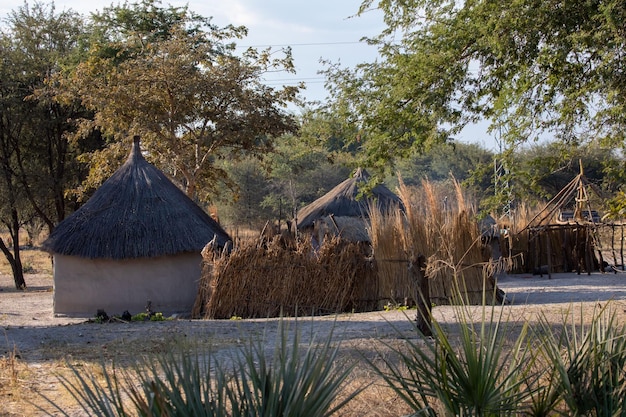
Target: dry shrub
267,279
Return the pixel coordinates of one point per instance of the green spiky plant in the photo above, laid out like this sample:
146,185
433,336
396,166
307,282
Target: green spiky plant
192,380
588,361
290,383
477,375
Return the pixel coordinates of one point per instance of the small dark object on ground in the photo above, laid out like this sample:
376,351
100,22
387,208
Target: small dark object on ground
126,316
101,315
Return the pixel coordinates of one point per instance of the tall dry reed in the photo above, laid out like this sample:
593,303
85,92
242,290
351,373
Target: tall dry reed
267,279
445,233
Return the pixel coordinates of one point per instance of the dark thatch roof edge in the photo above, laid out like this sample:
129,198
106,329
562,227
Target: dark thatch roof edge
137,213
342,201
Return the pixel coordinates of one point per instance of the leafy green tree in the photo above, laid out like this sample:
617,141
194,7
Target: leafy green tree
36,161
242,203
301,172
443,161
541,171
537,68
173,78
302,168
274,189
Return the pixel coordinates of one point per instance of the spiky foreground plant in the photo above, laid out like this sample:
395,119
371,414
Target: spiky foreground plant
476,375
191,380
588,361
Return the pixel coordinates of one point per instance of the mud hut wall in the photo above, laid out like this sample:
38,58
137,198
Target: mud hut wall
82,286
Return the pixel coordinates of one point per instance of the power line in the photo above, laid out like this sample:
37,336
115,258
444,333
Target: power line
295,78
302,44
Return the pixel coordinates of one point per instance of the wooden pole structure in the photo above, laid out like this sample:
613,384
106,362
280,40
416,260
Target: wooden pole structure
621,247
613,245
549,253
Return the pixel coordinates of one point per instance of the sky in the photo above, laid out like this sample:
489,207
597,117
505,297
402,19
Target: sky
315,30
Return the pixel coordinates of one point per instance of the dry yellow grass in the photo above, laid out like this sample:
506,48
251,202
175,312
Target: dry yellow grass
448,238
268,278
34,261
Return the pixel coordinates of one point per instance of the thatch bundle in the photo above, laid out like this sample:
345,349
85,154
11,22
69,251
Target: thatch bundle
268,279
448,239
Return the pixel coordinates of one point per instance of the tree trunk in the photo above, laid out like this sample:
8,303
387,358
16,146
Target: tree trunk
16,264
417,272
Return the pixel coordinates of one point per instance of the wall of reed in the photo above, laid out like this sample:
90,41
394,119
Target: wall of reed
267,279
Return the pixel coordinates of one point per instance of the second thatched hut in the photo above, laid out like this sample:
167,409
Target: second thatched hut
343,210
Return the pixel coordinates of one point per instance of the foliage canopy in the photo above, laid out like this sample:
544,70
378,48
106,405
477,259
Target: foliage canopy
171,77
533,68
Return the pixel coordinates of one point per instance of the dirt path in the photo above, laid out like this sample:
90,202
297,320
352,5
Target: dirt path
28,325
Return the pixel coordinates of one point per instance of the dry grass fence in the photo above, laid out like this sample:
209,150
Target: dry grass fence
447,237
267,277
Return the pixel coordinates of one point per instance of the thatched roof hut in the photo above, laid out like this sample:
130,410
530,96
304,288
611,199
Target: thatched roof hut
344,203
137,239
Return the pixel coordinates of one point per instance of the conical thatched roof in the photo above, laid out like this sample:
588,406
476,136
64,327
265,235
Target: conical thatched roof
342,201
137,213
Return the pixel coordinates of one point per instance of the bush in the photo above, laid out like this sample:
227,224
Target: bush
478,375
587,364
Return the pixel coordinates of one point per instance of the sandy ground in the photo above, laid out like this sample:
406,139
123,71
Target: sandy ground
43,342
28,325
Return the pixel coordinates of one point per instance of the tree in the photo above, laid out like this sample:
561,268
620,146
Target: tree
169,76
300,170
443,160
35,162
243,201
534,67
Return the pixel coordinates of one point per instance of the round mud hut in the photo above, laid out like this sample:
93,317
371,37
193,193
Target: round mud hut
135,245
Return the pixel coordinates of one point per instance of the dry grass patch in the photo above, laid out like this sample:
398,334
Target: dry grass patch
261,279
34,261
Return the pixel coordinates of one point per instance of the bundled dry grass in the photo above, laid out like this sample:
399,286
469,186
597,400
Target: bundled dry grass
449,239
267,279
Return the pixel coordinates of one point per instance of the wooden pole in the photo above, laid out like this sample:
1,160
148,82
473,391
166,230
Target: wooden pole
588,252
564,249
417,274
538,254
549,253
621,247
613,245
